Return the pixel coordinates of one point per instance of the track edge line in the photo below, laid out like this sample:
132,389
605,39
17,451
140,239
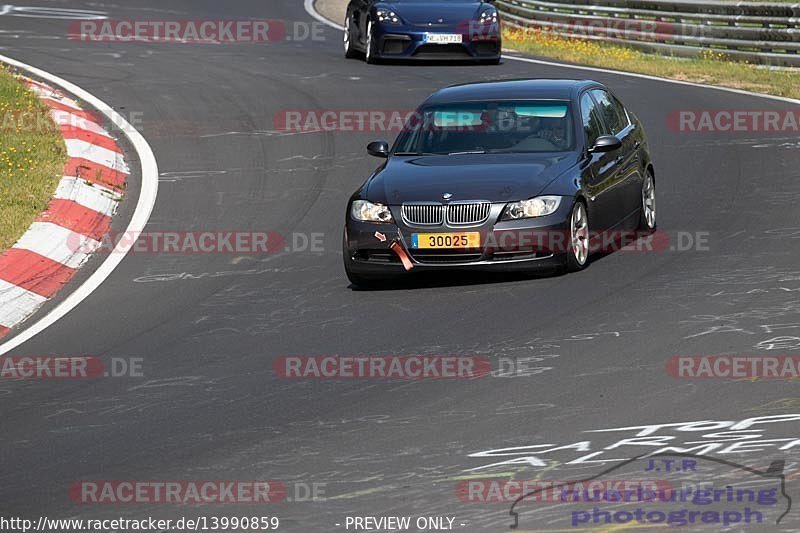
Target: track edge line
139,219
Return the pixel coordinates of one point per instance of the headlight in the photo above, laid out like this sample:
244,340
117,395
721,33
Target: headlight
489,17
387,16
368,212
535,207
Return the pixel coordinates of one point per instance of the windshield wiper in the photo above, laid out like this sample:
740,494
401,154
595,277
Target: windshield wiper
468,152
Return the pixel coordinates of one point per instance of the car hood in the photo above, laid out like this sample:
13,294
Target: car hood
493,177
430,13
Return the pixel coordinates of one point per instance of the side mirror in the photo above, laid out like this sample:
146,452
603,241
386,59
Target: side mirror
378,149
605,143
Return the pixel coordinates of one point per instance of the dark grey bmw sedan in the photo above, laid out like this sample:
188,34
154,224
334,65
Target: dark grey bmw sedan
511,175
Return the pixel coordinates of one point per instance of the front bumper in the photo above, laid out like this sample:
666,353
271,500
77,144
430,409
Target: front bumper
411,43
509,246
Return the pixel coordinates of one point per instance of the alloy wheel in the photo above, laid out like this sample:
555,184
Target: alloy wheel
649,202
579,234
369,53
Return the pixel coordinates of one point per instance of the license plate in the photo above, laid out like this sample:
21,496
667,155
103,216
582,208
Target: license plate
445,240
443,38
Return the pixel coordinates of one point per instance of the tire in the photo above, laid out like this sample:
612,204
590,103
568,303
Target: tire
369,54
578,255
349,51
647,216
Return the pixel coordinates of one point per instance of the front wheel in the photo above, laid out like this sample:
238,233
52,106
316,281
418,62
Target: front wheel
370,51
647,218
579,246
349,50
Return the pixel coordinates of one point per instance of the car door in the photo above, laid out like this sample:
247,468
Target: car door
628,186
600,170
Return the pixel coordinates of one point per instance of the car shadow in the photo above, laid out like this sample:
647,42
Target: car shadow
433,63
646,241
455,278
432,280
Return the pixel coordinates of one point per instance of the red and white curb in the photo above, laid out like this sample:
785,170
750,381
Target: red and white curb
61,239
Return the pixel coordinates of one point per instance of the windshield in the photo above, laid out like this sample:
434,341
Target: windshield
489,127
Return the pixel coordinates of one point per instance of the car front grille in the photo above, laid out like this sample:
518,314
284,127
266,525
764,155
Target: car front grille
468,214
457,214
424,214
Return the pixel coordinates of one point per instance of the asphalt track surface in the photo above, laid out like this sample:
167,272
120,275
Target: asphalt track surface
209,326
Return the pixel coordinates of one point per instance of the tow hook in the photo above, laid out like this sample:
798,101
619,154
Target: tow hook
398,249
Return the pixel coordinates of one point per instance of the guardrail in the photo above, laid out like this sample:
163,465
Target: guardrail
762,33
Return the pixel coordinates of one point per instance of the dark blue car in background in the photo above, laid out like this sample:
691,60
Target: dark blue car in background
423,30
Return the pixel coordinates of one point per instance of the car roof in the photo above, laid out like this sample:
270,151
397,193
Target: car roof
527,89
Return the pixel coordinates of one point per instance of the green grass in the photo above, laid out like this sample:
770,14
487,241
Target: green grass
714,68
32,158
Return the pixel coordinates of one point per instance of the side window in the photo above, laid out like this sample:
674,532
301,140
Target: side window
621,111
611,110
592,123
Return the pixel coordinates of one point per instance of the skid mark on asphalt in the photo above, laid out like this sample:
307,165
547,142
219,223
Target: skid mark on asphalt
777,405
348,157
257,133
363,492
171,177
760,142
607,529
468,477
195,276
